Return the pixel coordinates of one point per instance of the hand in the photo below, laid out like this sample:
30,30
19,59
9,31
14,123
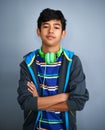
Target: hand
32,89
65,96
43,129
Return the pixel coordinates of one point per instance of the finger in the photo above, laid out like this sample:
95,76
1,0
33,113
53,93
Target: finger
31,84
33,92
28,84
32,87
30,90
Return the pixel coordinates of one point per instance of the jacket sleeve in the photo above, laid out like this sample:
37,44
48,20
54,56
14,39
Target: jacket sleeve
25,98
77,86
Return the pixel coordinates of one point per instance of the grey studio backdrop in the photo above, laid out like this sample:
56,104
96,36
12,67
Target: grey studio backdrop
85,36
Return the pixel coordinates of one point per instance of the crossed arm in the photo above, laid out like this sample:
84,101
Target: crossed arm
49,103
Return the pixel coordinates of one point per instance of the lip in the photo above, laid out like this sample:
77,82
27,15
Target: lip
50,37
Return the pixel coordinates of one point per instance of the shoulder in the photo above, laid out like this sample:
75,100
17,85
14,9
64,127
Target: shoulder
76,63
76,60
71,55
29,57
68,54
31,54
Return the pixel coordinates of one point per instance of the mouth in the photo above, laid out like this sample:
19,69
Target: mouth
50,37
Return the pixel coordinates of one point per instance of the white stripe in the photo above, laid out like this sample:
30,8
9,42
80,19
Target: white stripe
50,89
59,64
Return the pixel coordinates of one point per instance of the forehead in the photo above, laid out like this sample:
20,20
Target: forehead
52,22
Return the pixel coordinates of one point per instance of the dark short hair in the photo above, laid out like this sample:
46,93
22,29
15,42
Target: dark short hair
51,14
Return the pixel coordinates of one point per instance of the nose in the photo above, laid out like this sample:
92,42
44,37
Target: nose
51,29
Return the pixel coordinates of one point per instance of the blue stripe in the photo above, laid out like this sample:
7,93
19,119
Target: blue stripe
70,55
67,76
67,121
67,80
49,69
49,81
37,119
52,126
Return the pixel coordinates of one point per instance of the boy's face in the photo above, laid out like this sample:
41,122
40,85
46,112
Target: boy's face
51,33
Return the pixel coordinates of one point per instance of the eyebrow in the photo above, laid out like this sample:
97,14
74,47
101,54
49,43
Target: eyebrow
57,24
48,24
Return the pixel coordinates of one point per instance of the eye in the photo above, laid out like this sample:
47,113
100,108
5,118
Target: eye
57,27
45,26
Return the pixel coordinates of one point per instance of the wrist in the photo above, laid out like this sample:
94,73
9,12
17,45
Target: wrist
64,96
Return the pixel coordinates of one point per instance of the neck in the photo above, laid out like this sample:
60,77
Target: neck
47,49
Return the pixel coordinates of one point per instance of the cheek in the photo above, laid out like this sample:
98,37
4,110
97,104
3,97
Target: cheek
59,35
44,33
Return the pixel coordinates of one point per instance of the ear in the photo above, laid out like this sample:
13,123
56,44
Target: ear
38,31
63,34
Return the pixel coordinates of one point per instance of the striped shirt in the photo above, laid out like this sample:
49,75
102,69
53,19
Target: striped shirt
48,75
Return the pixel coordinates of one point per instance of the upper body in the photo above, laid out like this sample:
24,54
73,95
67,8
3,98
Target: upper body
51,30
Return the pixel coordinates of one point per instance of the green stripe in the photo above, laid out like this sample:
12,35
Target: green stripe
27,116
47,75
43,76
51,122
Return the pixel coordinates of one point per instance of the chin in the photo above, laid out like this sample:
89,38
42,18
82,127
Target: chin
50,44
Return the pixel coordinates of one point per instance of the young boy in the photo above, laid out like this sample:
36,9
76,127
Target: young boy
52,82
